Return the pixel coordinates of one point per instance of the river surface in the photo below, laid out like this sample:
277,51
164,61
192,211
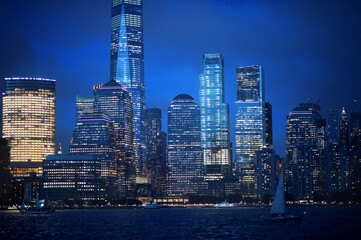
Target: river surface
179,223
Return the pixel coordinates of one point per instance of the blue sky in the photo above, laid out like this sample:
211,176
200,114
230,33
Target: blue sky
309,49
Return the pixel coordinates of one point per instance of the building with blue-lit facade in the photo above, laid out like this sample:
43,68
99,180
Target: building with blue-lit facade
127,62
185,155
250,123
214,118
83,105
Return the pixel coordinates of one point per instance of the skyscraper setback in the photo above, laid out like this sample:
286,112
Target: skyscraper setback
29,123
214,118
127,60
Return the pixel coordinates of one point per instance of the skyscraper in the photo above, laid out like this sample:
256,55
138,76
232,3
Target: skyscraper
333,126
250,123
114,101
214,118
269,126
156,149
185,155
305,163
355,127
344,131
83,105
127,59
29,123
267,162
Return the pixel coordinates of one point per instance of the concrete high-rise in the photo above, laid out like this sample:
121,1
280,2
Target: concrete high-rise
185,156
250,124
127,60
214,118
29,123
305,162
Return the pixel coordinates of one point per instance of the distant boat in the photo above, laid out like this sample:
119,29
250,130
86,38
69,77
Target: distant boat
38,209
224,204
153,206
277,213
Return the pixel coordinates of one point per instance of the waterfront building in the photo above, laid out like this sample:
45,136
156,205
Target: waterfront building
337,160
185,155
214,118
127,60
266,171
83,105
333,131
355,128
269,126
344,131
114,101
305,152
250,124
156,150
73,177
7,196
29,123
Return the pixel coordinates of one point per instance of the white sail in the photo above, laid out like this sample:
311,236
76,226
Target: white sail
23,204
278,205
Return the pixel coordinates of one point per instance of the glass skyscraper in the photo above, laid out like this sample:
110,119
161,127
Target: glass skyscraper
185,155
250,124
214,118
29,123
83,105
127,60
333,126
114,101
304,165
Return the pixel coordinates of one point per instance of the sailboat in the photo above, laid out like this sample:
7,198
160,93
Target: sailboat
277,213
38,209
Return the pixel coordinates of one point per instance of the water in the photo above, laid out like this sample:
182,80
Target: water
171,223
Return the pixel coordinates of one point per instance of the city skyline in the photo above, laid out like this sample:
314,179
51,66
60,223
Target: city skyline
290,78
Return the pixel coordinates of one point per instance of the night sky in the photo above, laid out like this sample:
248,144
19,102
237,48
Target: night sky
309,49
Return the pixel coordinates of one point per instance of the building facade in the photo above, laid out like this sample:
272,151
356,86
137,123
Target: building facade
266,171
214,118
333,125
127,60
269,126
83,105
250,124
305,165
73,177
185,155
156,150
29,123
114,101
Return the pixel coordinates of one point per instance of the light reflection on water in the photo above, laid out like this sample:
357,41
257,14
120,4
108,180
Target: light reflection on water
236,223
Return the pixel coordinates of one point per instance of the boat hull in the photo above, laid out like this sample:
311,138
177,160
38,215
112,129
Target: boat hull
286,218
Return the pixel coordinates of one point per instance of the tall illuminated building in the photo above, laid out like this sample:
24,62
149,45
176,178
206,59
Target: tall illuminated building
29,123
114,101
83,105
185,155
269,126
333,126
250,123
156,150
355,128
214,118
344,131
305,163
127,60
